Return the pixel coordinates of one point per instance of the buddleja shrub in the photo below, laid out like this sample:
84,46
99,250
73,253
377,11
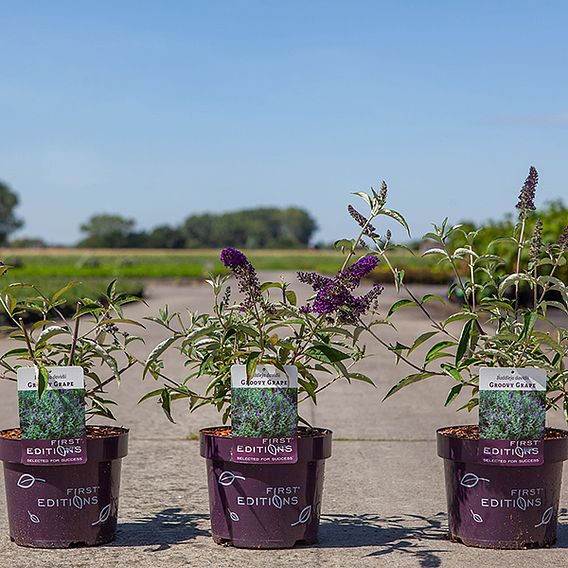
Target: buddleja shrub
504,320
266,325
97,338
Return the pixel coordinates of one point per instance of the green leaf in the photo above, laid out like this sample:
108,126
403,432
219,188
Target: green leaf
398,278
432,297
344,245
291,297
42,380
325,353
464,340
452,395
308,388
48,333
421,339
409,380
452,372
398,218
251,364
511,280
156,352
104,355
63,291
166,401
528,326
400,304
436,349
361,377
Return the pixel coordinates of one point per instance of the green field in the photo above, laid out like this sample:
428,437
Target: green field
86,265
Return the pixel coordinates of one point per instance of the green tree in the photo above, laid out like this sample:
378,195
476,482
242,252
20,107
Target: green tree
8,220
107,231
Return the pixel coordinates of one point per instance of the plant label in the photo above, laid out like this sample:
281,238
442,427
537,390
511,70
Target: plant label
53,426
512,416
264,414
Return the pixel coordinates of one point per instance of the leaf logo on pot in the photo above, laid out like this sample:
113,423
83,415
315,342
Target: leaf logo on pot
477,518
34,518
546,517
470,480
78,502
271,448
103,515
228,478
277,501
522,503
26,480
304,516
234,516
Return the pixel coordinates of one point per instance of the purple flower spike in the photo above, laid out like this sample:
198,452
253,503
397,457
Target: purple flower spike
245,274
233,258
333,295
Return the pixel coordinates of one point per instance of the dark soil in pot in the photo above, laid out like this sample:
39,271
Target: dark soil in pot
265,505
63,506
494,506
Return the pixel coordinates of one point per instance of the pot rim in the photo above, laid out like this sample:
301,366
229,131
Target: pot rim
461,449
310,448
101,449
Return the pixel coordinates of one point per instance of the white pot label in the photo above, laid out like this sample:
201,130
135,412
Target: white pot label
264,414
512,416
53,426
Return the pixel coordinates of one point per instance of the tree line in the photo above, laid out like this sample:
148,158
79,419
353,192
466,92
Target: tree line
261,227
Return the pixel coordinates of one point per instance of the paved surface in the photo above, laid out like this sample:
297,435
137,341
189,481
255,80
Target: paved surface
383,501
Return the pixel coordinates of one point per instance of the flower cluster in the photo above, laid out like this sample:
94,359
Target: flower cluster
244,272
528,191
363,222
536,241
334,295
563,238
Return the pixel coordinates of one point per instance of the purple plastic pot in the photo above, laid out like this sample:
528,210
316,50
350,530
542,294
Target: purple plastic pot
265,506
494,506
62,506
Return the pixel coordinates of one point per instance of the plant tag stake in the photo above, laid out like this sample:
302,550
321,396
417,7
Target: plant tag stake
512,416
53,426
264,414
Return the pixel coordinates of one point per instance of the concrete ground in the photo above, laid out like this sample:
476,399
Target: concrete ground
383,500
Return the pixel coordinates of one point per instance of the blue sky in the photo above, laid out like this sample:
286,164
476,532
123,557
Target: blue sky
157,110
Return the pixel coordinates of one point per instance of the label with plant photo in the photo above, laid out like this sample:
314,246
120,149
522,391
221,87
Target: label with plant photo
512,416
264,414
52,425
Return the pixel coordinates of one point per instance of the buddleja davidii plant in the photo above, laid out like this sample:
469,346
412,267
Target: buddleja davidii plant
268,326
95,338
497,328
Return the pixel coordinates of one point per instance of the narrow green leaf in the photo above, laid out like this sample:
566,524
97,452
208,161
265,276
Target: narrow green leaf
400,304
409,380
42,380
464,341
452,395
436,349
325,353
361,377
251,363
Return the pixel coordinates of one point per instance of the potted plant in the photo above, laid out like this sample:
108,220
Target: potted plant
504,320
264,333
74,502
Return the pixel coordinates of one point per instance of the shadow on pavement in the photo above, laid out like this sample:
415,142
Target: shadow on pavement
163,529
412,534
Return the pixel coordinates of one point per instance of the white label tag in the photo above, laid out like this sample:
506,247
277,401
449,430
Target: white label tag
265,376
60,378
509,378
